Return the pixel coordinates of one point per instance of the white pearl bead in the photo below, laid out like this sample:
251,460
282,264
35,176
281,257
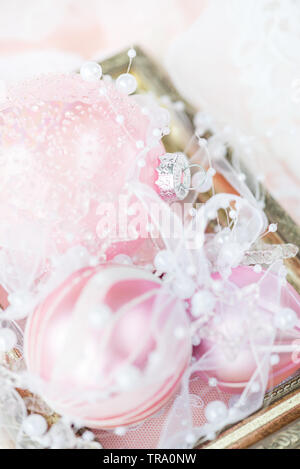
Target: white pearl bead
273,228
213,383
120,431
88,436
35,425
108,79
286,319
196,341
91,71
164,261
131,53
203,302
156,132
103,91
126,83
274,359
242,177
184,288
179,106
216,412
211,172
8,339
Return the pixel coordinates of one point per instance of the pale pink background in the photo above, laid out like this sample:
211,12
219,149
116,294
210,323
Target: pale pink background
57,35
91,28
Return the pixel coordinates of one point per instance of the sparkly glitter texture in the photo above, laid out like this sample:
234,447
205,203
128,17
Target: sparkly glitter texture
60,150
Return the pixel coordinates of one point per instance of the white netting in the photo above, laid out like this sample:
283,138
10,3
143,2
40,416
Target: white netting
166,354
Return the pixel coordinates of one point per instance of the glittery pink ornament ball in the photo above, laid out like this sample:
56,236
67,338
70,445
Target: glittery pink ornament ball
109,345
68,146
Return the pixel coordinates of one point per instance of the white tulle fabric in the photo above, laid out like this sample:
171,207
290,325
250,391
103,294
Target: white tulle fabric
240,63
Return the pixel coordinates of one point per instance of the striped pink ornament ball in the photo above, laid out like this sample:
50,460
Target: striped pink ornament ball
109,346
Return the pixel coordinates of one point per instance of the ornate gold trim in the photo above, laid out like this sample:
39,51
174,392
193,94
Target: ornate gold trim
257,424
282,390
288,438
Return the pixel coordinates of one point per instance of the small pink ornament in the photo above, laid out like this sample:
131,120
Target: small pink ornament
244,334
109,345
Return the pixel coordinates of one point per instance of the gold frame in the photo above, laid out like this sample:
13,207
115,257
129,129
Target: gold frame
282,405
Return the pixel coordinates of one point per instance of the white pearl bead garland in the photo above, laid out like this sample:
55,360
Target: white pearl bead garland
91,71
126,83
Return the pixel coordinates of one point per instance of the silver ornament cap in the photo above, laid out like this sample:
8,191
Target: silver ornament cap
174,177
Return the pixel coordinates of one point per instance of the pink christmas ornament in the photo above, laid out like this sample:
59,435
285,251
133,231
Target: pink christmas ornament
252,332
68,147
109,346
